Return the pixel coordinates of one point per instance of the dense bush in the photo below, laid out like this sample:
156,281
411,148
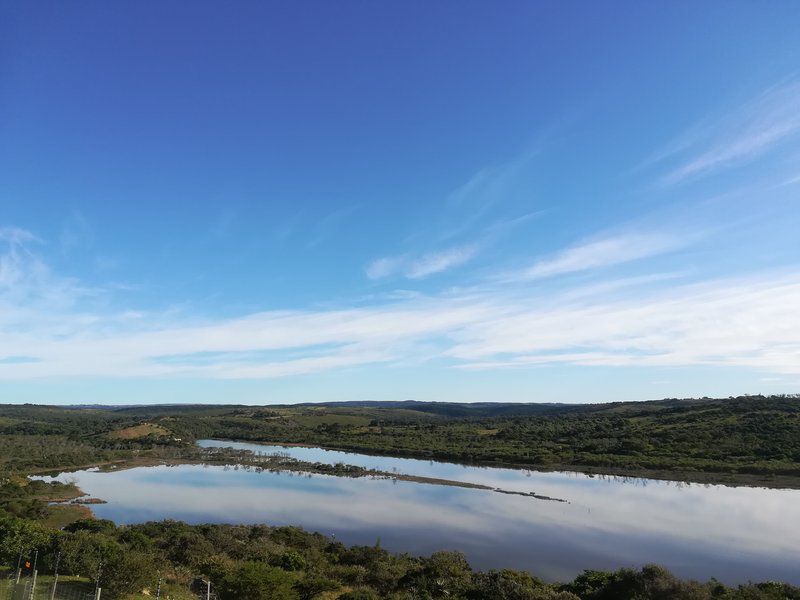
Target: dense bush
244,562
256,581
737,436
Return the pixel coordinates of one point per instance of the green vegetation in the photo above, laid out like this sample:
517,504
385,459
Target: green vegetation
37,438
750,439
732,439
737,438
288,563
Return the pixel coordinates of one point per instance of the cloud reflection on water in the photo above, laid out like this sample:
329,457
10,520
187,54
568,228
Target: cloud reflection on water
734,534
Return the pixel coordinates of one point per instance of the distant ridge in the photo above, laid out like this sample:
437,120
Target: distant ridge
452,409
445,409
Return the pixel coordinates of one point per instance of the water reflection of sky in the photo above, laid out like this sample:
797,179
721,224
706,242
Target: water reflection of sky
734,534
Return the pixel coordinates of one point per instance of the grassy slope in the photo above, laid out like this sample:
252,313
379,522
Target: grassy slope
135,432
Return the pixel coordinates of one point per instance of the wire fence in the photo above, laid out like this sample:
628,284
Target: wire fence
37,577
33,587
29,584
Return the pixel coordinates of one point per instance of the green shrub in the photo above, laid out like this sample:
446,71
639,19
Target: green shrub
257,581
360,594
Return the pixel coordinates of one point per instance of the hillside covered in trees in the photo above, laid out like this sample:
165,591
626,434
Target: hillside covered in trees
746,439
706,439
738,438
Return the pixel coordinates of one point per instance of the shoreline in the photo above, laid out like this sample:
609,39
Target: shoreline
758,480
276,463
282,464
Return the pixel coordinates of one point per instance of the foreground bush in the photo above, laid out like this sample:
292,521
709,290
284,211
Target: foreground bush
287,563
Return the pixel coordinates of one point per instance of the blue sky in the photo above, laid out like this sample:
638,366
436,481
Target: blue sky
285,202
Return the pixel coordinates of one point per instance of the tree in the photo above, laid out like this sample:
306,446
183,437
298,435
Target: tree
290,561
257,581
313,585
506,585
362,594
19,535
127,572
84,552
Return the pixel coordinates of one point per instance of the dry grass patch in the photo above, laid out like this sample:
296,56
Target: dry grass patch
139,431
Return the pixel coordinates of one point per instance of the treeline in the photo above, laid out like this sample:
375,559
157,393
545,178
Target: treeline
750,435
288,563
33,438
736,437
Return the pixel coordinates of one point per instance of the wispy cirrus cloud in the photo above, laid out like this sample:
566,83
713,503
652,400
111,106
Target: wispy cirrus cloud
748,322
422,265
469,204
437,262
15,236
740,135
35,300
26,280
425,265
488,205
386,266
604,252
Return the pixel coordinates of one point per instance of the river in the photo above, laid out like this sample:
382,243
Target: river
698,531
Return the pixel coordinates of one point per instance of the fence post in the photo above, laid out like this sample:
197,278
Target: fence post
34,572
19,566
33,583
55,577
97,589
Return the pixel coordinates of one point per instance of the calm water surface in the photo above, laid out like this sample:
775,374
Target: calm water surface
699,531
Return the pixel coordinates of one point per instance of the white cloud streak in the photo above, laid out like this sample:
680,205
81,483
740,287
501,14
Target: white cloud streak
385,266
612,250
742,323
422,266
748,322
740,135
437,262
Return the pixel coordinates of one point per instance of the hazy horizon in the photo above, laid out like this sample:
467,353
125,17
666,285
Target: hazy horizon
376,402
